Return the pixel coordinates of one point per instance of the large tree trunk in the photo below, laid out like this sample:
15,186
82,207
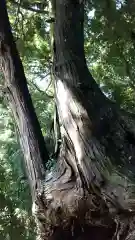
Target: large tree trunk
90,194
98,149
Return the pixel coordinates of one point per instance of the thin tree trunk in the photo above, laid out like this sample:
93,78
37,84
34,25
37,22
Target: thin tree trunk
19,100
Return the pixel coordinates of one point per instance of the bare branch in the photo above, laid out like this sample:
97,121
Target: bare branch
41,91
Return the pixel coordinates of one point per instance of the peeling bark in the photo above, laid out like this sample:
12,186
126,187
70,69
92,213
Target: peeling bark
98,140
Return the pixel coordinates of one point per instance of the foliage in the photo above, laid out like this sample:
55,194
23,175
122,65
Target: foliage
15,202
110,48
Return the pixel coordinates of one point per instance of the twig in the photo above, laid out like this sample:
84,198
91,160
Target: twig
41,91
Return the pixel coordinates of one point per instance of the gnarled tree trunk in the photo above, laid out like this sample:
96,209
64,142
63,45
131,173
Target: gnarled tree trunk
90,194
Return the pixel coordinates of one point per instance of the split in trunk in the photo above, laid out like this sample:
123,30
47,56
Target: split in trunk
90,193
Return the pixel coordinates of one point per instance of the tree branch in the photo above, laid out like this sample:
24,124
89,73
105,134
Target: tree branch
41,91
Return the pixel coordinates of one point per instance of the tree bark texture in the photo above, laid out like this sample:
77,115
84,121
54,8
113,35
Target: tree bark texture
16,91
90,194
98,149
